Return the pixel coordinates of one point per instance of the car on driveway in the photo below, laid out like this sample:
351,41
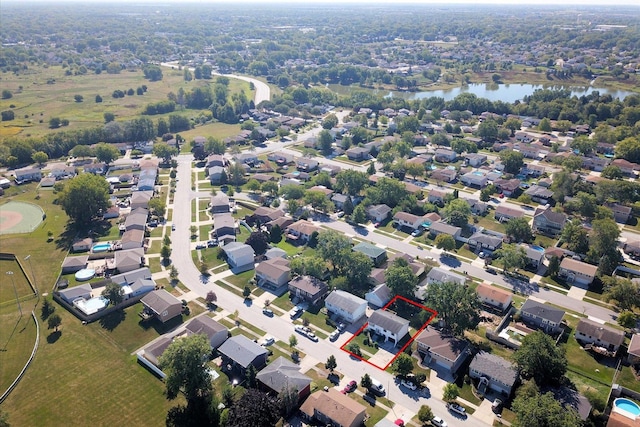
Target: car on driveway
408,384
268,340
457,409
418,232
201,246
212,243
438,422
334,335
350,387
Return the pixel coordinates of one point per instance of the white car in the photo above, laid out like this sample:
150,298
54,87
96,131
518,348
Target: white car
408,384
438,422
268,340
334,335
300,329
312,336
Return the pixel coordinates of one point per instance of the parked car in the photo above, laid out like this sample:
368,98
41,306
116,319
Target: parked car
350,387
438,422
408,384
212,243
268,340
340,214
267,312
201,246
496,406
458,409
300,329
334,335
294,312
312,336
342,327
418,232
490,270
173,227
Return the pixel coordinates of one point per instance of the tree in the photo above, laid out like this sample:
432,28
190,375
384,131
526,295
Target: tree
457,212
254,409
81,151
173,273
627,319
539,358
542,410
211,298
603,239
270,187
512,256
330,121
458,306
359,214
47,309
98,99
611,172
6,94
512,161
78,98
425,414
445,242
40,157
157,207
545,125
259,241
246,292
513,125
554,266
325,141
400,278
450,392
84,198
347,206
415,170
114,293
351,181
106,153
365,381
356,267
575,236
250,377
164,151
519,230
275,234
236,173
309,266
54,122
184,364
624,292
488,130
628,149
331,363
403,365
54,321
332,245
293,341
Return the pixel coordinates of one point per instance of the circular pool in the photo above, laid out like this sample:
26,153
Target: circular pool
626,407
85,274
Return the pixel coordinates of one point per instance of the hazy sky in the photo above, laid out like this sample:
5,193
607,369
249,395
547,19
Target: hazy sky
386,2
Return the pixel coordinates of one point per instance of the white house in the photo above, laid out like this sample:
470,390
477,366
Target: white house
493,372
347,306
475,178
574,271
240,256
378,296
409,220
378,213
600,335
389,325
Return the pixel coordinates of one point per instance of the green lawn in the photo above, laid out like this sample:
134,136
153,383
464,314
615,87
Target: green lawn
241,280
490,223
283,302
204,231
627,379
375,413
14,284
17,337
154,265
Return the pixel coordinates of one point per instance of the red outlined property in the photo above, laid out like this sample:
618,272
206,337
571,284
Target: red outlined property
408,343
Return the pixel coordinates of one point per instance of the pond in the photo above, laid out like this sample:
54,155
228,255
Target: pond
493,92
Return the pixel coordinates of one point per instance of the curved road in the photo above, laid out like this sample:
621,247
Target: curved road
263,91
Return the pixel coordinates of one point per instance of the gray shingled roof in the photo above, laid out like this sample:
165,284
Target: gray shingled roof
441,275
496,367
241,350
282,374
388,321
344,300
542,310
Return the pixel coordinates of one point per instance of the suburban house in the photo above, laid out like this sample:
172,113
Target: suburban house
81,291
301,231
504,213
477,207
507,186
440,227
444,175
139,287
74,264
477,179
128,260
126,279
494,297
82,245
224,226
437,197
219,204
376,255
444,155
132,239
27,175
216,174
542,316
264,214
280,158
339,200
627,167
440,275
239,352
446,352
379,296
481,241
140,199
240,256
357,154
389,325
283,222
214,160
378,213
574,271
539,194
534,256
161,305
347,306
306,164
409,220
282,375
203,324
308,288
333,408
273,273
96,168
475,159
621,213
493,372
634,350
599,335
137,219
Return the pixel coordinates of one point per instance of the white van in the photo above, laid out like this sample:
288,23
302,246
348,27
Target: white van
377,387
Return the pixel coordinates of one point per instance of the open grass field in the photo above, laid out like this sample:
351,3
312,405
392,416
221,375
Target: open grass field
17,278
17,337
43,93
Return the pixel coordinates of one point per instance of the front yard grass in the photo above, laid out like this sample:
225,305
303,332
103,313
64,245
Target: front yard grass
154,265
242,279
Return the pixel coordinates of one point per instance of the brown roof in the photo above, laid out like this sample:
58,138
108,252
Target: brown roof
488,291
579,266
504,210
447,347
601,332
340,408
309,284
634,345
304,227
618,420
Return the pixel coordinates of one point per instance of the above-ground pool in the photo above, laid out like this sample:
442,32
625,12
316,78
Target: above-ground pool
91,306
101,247
85,274
626,407
537,248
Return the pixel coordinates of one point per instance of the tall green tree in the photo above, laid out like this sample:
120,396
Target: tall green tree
331,363
624,292
106,153
54,321
457,212
445,242
359,215
253,409
519,230
542,410
539,358
84,198
164,151
400,278
331,246
512,161
512,256
184,364
114,293
403,365
351,181
458,306
325,141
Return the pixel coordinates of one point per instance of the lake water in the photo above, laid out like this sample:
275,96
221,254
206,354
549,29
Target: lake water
505,92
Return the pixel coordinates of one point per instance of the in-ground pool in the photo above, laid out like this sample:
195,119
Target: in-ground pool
85,274
101,247
537,248
626,407
91,306
478,173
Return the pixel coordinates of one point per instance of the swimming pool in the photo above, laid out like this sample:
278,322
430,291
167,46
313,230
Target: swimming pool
478,173
626,407
85,274
101,247
91,306
537,248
